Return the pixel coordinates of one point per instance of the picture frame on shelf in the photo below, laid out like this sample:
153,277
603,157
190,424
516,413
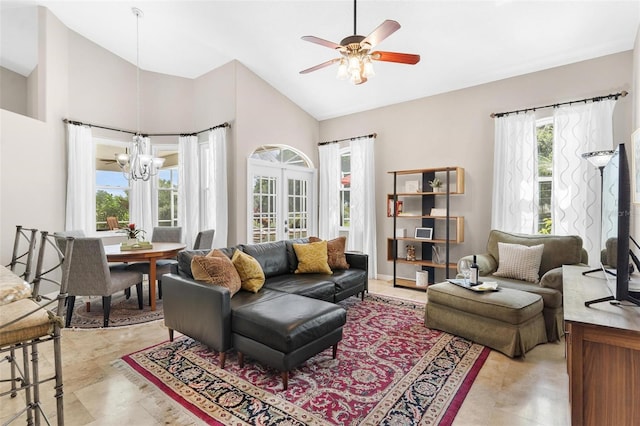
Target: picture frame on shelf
635,166
423,234
412,186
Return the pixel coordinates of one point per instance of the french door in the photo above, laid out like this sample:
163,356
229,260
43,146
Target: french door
282,201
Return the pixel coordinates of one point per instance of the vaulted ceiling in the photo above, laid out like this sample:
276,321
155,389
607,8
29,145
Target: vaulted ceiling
461,43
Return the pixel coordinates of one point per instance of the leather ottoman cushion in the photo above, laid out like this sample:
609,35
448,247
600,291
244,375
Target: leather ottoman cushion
507,305
317,286
287,323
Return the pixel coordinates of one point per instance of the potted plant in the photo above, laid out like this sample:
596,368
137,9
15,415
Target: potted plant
435,184
134,235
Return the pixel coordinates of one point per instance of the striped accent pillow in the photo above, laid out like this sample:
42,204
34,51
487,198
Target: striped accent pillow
519,262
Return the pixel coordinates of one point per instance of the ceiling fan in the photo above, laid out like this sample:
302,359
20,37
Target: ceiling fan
356,55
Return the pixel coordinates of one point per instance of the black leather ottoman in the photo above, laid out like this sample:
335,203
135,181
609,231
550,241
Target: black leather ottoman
286,331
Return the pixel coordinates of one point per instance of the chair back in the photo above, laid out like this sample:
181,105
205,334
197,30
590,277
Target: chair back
166,234
89,273
112,223
48,243
61,237
24,247
204,240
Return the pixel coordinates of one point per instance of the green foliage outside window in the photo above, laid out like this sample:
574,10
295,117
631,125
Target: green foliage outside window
544,135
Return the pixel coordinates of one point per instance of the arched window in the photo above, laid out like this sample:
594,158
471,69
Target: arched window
282,154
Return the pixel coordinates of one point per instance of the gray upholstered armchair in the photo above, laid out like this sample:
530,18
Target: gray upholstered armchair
90,275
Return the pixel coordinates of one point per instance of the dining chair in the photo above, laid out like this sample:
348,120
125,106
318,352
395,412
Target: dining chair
160,234
204,240
27,323
90,275
112,223
24,247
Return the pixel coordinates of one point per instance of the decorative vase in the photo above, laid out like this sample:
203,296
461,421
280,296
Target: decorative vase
132,241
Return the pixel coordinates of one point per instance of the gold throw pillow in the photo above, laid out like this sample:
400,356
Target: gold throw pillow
312,258
250,271
335,252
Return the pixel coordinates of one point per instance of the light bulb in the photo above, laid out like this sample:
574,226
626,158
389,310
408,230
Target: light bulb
354,64
367,69
343,74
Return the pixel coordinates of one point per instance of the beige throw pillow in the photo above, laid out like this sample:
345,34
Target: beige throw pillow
250,271
217,270
519,262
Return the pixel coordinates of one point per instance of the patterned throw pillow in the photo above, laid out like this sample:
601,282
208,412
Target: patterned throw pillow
250,271
335,252
519,262
312,258
217,270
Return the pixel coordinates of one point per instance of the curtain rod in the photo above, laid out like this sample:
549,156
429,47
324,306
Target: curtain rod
79,123
594,99
372,135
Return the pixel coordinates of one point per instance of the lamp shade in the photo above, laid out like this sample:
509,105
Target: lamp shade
598,158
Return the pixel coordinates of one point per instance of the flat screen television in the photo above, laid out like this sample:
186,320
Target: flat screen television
616,227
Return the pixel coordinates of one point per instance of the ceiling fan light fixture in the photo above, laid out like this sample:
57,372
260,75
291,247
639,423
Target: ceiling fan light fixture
367,67
343,72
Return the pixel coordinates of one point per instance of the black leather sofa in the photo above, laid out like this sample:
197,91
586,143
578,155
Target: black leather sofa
290,319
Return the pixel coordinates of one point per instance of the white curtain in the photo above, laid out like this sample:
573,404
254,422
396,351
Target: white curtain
81,180
216,215
143,202
189,188
576,183
362,230
329,215
515,170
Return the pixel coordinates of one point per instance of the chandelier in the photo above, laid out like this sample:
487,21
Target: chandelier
138,163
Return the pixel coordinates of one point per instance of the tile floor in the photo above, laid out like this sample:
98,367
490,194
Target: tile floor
530,391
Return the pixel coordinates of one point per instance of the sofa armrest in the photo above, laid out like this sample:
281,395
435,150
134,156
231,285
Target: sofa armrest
200,311
552,279
358,260
487,264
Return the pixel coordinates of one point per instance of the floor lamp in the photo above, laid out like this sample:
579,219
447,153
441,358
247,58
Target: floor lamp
599,159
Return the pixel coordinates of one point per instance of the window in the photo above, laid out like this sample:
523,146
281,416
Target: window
168,186
168,197
544,134
112,188
345,188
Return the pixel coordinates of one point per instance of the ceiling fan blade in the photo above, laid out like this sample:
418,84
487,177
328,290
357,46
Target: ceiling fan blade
322,42
403,58
322,65
383,31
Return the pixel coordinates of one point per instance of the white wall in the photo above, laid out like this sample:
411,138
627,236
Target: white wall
454,129
13,91
264,116
32,152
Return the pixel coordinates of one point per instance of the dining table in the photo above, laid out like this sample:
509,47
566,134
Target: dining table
157,251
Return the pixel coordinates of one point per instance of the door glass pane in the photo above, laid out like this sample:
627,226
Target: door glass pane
298,214
264,209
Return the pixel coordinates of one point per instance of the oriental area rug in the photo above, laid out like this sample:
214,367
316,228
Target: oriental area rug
390,369
124,311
